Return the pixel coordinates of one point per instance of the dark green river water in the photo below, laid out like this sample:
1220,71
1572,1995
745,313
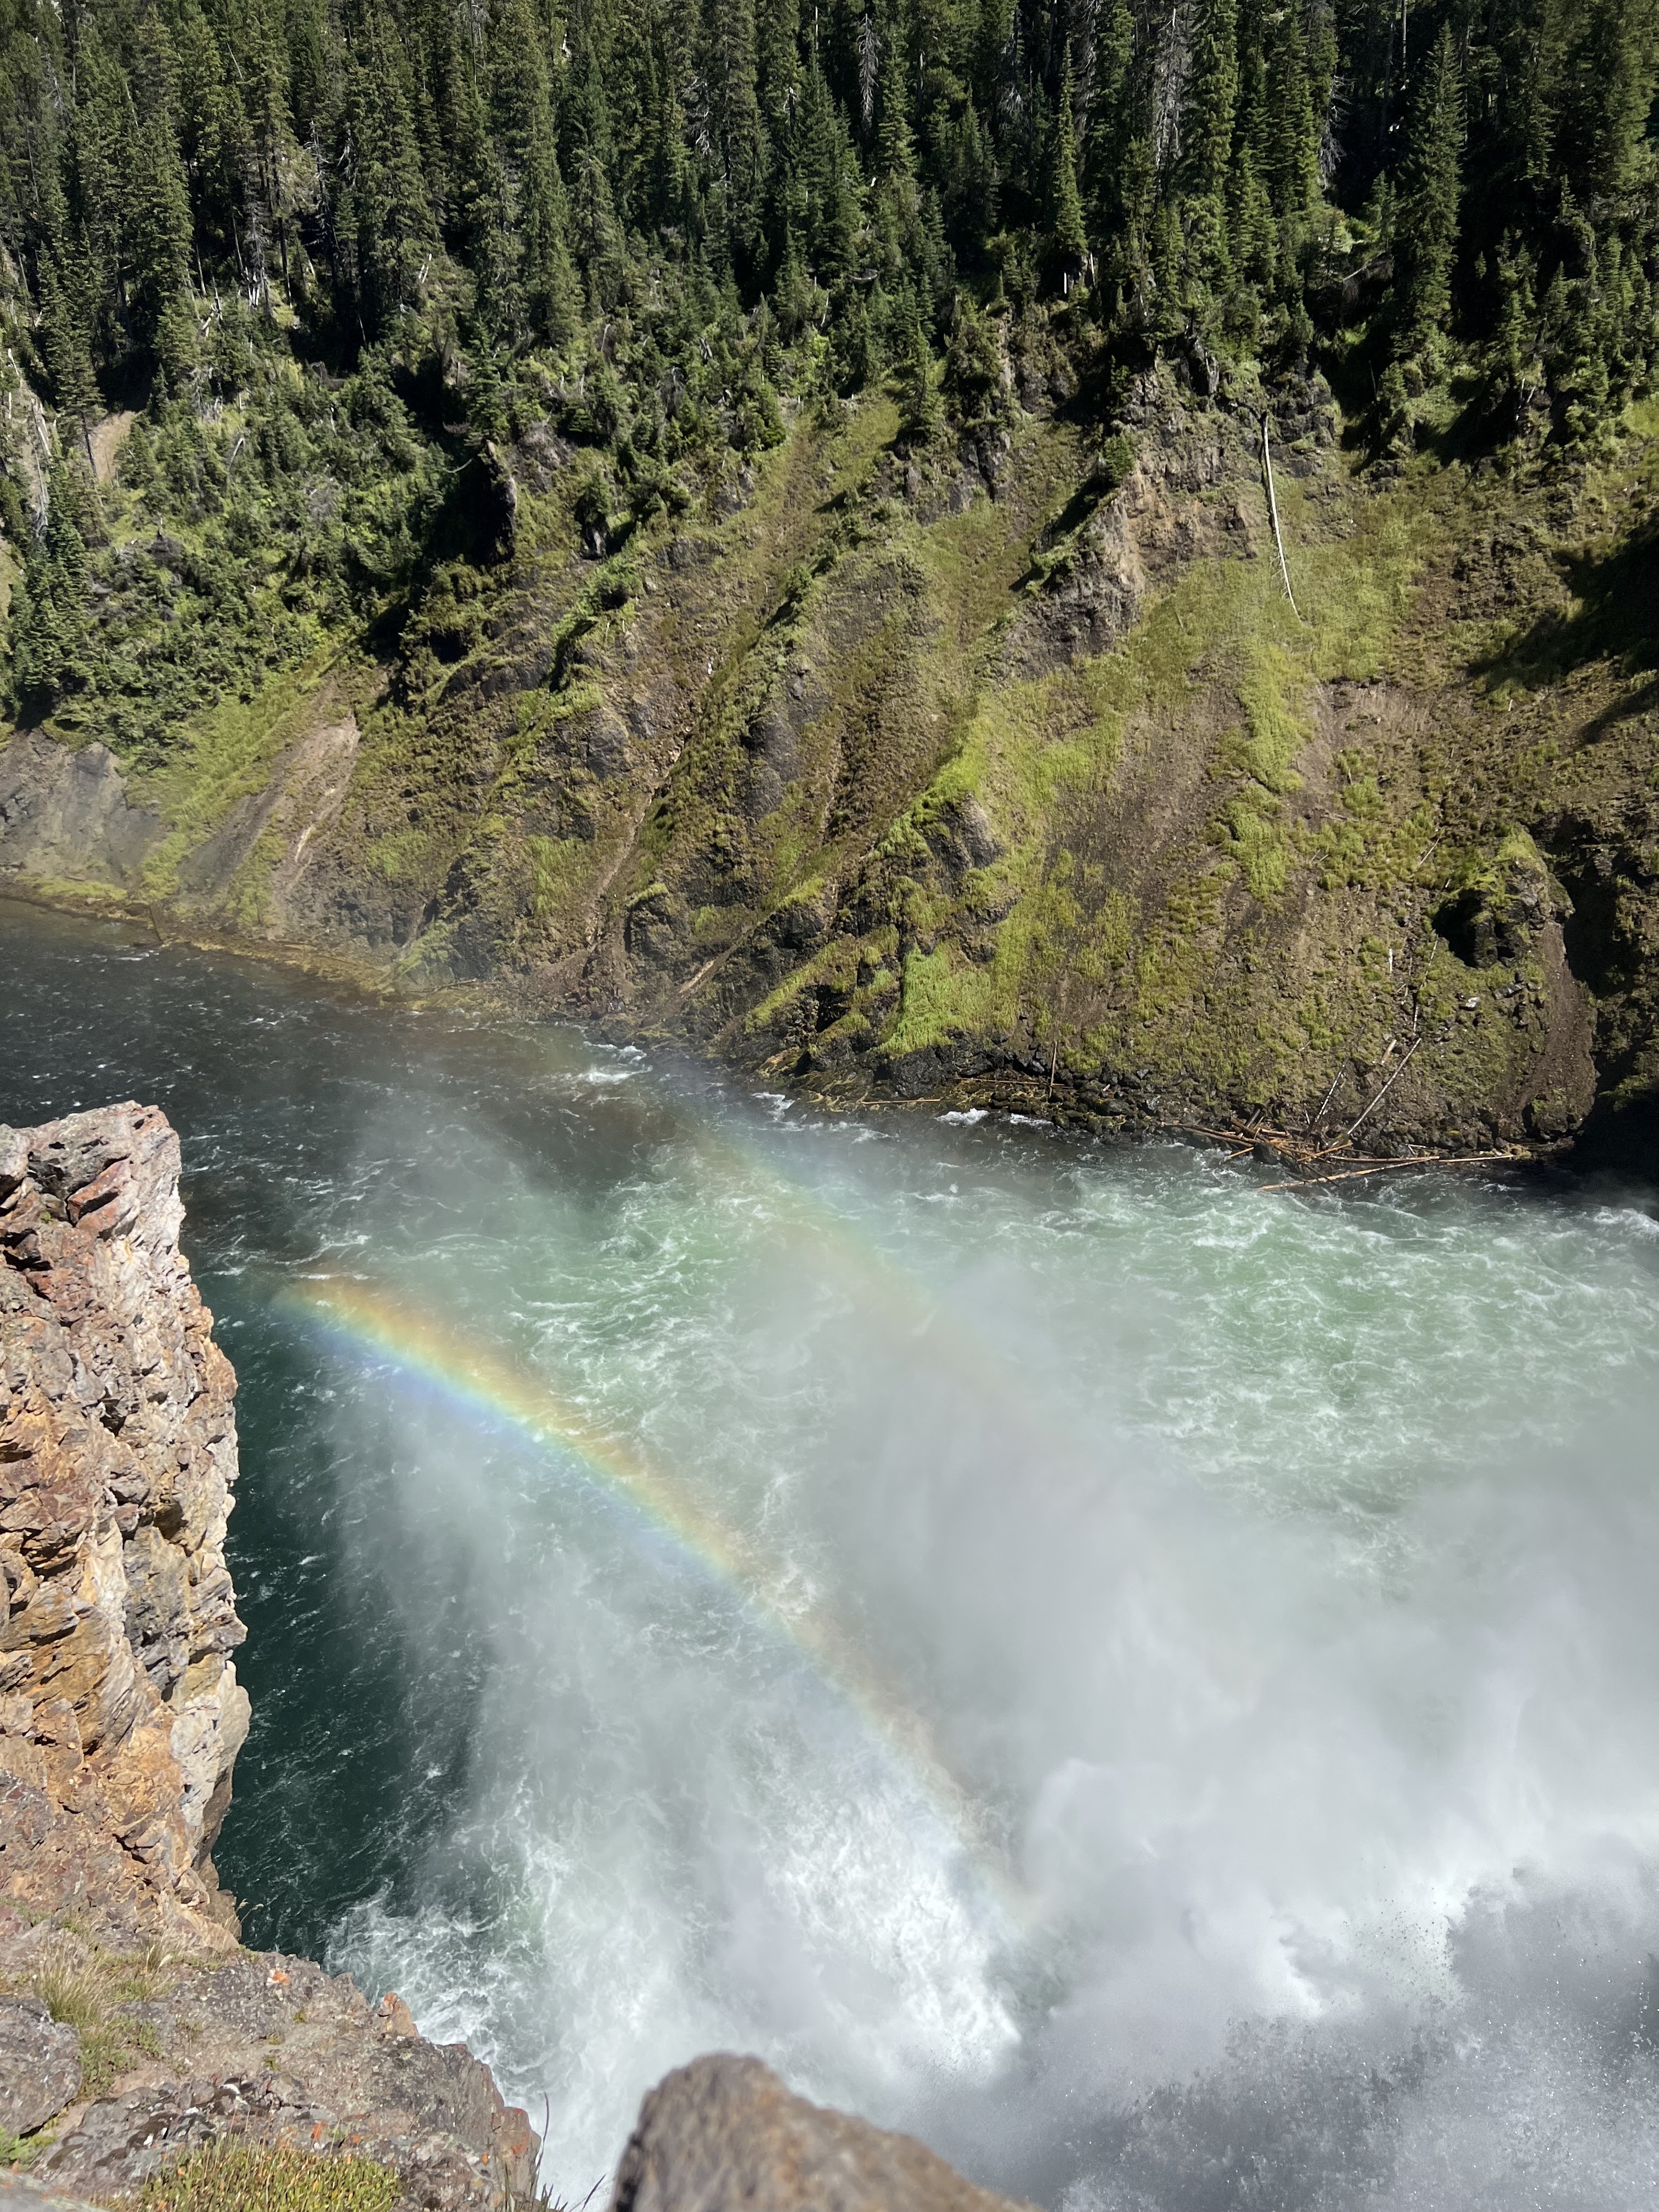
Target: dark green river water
1148,1683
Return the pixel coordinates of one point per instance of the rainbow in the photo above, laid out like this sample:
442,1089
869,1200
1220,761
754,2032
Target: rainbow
484,1386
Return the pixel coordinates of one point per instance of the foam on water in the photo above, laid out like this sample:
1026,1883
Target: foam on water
1274,1575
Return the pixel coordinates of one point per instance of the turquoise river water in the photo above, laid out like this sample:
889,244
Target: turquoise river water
1150,1683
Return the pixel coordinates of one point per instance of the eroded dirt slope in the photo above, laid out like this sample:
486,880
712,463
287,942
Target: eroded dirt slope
1010,770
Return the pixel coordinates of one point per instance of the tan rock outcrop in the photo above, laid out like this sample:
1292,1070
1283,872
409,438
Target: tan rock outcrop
120,1712
259,2048
120,1719
724,2135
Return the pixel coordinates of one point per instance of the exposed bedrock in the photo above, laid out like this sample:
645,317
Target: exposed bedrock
65,816
724,2135
120,1712
133,2027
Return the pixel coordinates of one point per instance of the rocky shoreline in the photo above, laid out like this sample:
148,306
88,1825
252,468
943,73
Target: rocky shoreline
135,2029
1007,1085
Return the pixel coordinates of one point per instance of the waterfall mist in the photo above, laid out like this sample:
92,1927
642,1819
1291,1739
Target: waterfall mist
1291,1643
1271,1577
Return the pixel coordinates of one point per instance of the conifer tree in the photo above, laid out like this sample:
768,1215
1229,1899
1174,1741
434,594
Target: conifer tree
735,114
1292,132
1607,91
479,206
1429,201
777,58
1212,98
969,195
523,130
990,40
896,158
1069,240
390,213
64,343
920,409
158,244
48,620
1118,180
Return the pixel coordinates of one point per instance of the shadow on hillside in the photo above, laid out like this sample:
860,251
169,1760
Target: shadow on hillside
1614,620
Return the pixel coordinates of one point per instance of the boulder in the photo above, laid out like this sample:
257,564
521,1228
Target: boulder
724,2135
40,2065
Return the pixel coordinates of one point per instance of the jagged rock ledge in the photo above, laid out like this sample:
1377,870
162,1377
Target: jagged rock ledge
134,2028
120,1712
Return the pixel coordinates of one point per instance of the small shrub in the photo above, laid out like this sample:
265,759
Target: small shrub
243,2177
73,1999
17,2150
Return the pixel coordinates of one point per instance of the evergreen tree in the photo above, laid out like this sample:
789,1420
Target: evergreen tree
65,342
643,219
534,211
1211,98
158,246
735,114
1427,236
777,65
389,210
895,158
920,409
48,619
1068,241
1608,71
1292,131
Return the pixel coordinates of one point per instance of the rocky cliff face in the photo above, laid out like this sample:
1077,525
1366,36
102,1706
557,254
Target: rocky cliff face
120,1712
133,2028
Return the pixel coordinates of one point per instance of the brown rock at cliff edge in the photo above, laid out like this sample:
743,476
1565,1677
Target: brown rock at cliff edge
120,1718
120,1712
724,2135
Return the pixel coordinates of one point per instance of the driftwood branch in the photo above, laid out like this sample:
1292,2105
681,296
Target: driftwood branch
1390,1167
1382,1094
1272,510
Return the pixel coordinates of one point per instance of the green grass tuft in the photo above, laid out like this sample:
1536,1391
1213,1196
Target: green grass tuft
243,2177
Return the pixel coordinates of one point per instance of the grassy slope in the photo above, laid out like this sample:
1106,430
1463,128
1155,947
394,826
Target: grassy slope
787,774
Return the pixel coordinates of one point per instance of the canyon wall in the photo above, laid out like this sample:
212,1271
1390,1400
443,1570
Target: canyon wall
120,1712
1005,771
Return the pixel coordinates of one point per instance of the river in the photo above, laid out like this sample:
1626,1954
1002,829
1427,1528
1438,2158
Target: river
1149,1682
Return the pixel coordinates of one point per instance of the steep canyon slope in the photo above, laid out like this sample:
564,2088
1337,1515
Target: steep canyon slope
999,763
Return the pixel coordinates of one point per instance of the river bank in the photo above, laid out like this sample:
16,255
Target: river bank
1045,791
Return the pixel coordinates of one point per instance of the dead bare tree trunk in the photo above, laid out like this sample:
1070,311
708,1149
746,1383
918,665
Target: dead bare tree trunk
1272,509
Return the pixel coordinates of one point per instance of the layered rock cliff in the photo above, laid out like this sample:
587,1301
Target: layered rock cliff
120,1712
133,2027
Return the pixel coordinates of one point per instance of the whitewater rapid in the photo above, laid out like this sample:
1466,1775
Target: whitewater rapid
1197,1744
